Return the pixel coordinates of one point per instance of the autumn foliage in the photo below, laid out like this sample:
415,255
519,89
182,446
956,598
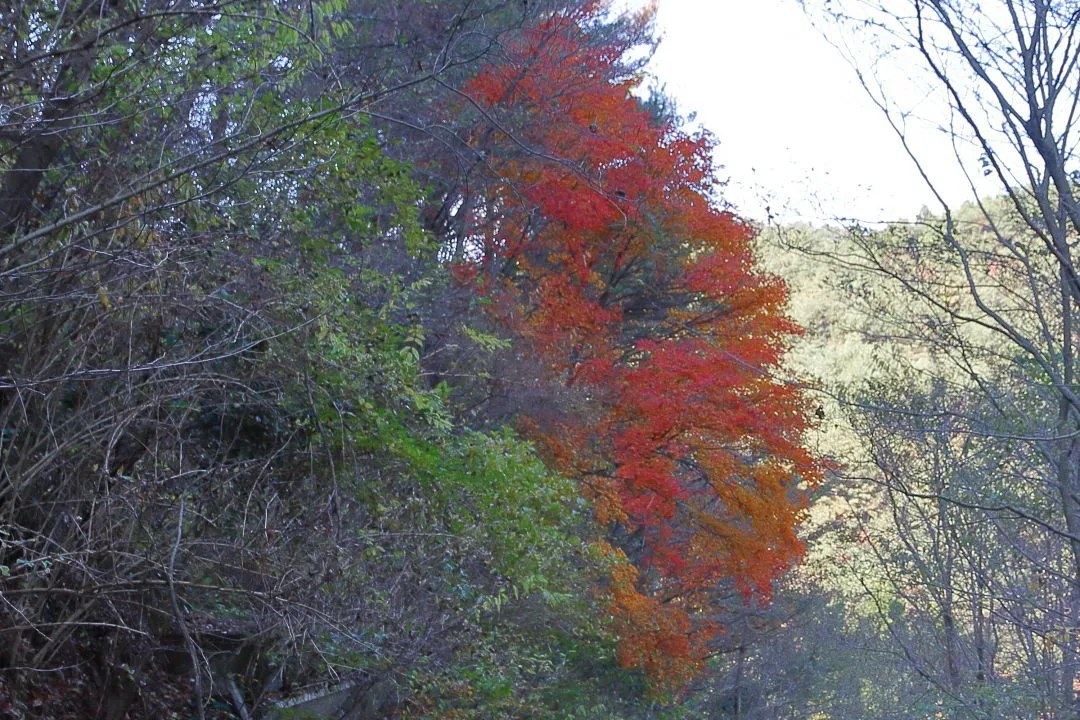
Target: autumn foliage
602,246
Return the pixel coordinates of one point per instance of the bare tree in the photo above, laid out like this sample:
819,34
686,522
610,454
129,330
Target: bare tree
993,294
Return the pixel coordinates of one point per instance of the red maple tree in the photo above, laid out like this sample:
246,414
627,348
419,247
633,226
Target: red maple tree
602,246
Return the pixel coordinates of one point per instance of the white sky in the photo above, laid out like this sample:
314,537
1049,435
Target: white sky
797,133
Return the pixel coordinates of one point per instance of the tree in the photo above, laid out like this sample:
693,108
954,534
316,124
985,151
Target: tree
600,245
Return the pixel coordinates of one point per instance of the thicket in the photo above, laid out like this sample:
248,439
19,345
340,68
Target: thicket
397,345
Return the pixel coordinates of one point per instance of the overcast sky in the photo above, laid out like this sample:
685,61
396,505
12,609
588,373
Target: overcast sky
797,133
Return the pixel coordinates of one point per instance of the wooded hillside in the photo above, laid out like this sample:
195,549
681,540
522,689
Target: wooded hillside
407,346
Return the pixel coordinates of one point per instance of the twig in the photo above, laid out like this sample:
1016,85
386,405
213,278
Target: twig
179,617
